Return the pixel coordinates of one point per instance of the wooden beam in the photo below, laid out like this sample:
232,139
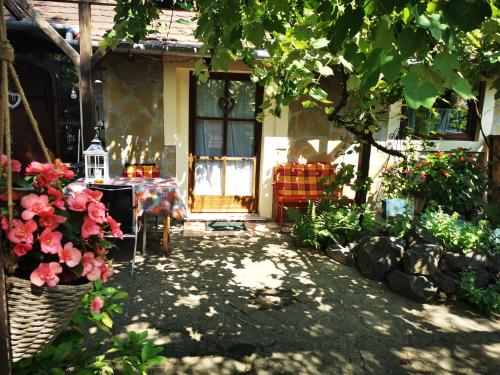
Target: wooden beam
47,28
99,54
14,9
86,94
91,2
363,172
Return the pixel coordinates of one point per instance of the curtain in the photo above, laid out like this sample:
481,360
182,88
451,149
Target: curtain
239,177
240,139
208,177
209,138
207,98
243,93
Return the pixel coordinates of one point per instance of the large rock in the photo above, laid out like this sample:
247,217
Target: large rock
416,236
445,282
340,254
378,256
494,265
422,259
417,288
456,262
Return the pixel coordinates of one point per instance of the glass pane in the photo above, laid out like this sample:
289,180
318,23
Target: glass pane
239,177
208,177
240,139
207,98
209,138
243,93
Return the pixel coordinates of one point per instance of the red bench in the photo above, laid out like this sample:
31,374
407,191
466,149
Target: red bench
295,184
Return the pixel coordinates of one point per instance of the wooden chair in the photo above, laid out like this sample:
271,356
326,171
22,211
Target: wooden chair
295,184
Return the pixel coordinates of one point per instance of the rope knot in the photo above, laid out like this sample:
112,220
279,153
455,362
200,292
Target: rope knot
6,51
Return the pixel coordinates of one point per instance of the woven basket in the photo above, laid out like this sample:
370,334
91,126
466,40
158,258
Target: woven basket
37,315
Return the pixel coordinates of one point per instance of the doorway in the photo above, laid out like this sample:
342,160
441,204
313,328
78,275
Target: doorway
224,144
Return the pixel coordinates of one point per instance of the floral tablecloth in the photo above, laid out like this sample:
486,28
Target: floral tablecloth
156,196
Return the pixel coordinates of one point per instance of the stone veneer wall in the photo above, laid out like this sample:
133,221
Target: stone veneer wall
496,118
133,107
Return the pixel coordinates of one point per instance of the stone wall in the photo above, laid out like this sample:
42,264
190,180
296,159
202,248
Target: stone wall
496,118
133,107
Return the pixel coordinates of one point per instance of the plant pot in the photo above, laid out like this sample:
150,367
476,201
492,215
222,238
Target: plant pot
37,315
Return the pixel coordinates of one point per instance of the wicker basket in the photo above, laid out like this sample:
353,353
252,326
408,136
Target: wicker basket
37,315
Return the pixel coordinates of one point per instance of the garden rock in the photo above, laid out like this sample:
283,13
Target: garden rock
417,236
422,259
457,262
417,288
445,283
340,254
482,278
494,265
378,256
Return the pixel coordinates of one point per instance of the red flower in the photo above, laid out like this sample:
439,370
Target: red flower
423,176
444,171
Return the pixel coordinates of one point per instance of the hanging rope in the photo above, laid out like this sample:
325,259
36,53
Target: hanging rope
6,60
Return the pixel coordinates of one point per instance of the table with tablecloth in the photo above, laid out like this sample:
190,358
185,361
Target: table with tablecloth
155,196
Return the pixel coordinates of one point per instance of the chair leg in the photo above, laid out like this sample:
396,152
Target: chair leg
145,228
135,247
282,216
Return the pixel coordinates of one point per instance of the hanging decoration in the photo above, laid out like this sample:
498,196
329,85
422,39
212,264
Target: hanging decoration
14,99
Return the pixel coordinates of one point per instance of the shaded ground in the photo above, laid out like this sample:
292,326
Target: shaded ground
254,303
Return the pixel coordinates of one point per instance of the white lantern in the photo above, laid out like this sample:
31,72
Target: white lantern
96,163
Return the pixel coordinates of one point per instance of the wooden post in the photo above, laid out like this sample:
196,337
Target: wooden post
363,171
86,94
5,354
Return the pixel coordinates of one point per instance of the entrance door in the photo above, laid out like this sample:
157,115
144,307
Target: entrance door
224,144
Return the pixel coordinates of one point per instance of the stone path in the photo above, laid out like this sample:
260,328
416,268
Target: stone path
254,303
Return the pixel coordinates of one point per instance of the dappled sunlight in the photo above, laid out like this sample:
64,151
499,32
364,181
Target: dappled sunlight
258,304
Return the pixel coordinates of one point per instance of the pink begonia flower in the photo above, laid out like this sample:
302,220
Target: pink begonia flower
21,249
115,227
94,195
36,205
78,202
91,266
46,170
89,228
70,255
97,212
22,231
63,171
96,304
4,223
58,198
14,164
106,271
50,242
52,221
46,273
101,251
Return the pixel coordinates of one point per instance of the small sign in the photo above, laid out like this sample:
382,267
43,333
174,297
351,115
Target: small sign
398,206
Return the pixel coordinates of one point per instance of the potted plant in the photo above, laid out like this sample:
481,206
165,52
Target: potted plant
52,247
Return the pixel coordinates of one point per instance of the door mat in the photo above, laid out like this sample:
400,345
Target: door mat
226,226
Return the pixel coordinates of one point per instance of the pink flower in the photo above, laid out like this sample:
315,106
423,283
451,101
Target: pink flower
91,266
97,212
106,271
78,202
21,249
96,304
14,164
50,242
94,195
15,195
4,223
22,231
36,205
58,197
115,227
46,273
70,255
63,171
46,171
52,221
89,227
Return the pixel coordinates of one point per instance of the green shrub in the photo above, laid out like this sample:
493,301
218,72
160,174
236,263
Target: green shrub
486,299
457,235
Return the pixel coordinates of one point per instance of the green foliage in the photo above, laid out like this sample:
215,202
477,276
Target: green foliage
399,225
69,353
455,179
486,299
381,50
457,235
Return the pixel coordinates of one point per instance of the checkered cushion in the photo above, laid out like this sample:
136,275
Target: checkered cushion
294,179
144,171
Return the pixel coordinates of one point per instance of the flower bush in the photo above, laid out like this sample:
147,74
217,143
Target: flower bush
54,238
454,179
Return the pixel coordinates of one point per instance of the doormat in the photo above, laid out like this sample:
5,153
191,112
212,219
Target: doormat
226,226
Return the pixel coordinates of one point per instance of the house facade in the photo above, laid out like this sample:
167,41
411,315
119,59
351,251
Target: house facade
208,136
